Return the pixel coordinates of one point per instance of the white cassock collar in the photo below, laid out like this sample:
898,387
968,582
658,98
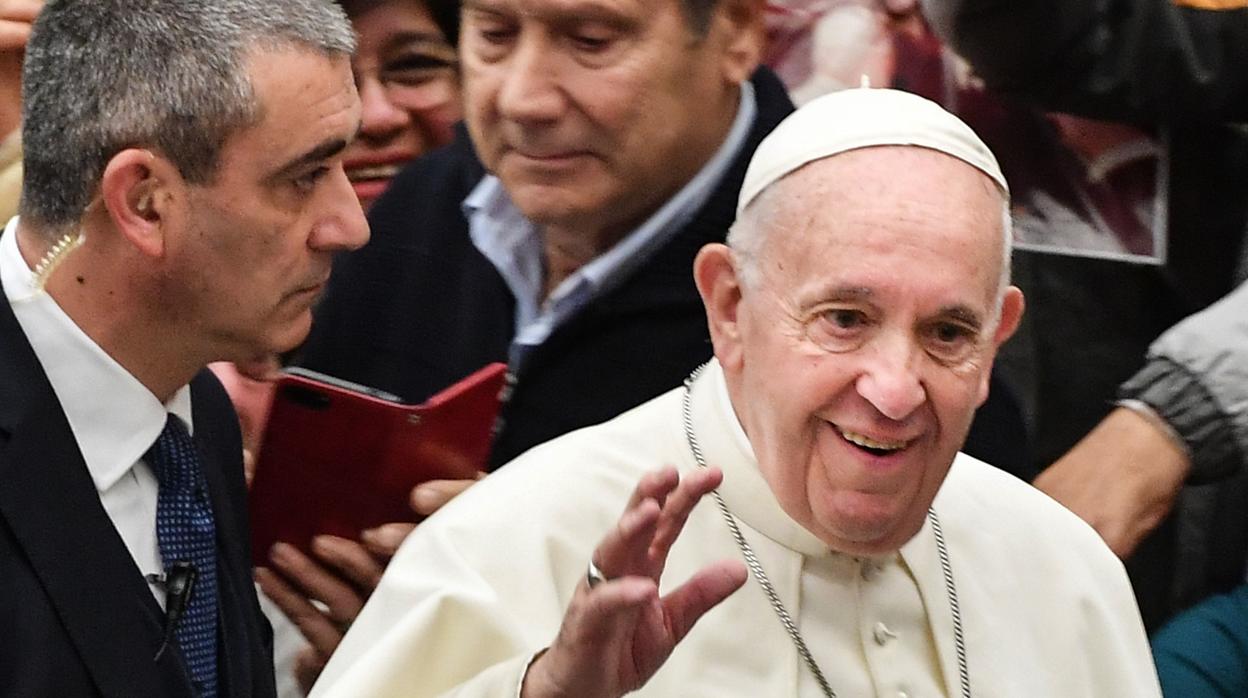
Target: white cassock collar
749,498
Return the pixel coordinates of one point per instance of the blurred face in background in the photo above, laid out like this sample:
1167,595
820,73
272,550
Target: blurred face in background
595,112
405,71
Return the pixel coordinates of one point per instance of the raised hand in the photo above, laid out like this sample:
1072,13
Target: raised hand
615,636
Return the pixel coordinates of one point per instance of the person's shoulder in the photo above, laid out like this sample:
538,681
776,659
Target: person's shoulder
1029,546
983,497
584,475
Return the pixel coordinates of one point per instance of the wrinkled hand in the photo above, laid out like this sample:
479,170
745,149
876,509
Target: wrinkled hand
1122,478
617,635
341,578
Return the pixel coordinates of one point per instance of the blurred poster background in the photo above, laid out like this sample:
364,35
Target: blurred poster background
1079,186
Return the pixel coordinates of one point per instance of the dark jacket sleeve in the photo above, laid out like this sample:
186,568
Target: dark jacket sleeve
1127,60
1197,379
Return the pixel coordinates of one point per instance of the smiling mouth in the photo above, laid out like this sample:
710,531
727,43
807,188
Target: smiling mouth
366,174
870,445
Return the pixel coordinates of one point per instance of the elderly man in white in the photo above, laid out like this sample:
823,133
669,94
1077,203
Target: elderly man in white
846,547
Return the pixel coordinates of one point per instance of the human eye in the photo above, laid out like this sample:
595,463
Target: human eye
951,341
414,69
838,328
598,39
592,38
490,33
307,181
591,44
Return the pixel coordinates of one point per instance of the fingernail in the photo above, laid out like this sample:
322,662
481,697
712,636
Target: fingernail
280,551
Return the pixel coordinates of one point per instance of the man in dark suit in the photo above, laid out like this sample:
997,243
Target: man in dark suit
182,198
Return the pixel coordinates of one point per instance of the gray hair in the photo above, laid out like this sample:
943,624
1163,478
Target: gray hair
105,75
748,234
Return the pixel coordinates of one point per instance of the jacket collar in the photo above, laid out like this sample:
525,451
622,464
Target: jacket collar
750,499
49,502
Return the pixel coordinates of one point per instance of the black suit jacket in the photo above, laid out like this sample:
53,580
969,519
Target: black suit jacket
76,616
420,307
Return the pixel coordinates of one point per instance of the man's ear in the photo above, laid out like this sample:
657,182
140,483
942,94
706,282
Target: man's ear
136,190
1012,305
1011,314
716,275
741,25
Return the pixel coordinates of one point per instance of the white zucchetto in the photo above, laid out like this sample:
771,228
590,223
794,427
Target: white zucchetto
861,118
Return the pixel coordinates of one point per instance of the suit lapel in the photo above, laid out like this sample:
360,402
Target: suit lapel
49,501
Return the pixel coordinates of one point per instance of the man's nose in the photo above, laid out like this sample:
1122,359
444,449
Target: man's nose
343,227
530,88
890,380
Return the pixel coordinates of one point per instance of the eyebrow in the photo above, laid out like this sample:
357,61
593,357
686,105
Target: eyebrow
814,297
848,293
431,40
963,314
322,151
578,11
479,5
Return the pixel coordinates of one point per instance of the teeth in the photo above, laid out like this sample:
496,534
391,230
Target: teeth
868,442
365,173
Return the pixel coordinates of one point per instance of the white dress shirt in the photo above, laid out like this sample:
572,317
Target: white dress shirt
114,418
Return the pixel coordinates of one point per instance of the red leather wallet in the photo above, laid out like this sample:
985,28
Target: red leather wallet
339,458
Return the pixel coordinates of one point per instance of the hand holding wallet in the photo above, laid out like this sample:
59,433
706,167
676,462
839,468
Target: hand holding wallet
339,458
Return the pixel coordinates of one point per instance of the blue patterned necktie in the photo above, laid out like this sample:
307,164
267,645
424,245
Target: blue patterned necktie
185,533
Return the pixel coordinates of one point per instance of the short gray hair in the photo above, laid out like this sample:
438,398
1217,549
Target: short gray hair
747,235
105,75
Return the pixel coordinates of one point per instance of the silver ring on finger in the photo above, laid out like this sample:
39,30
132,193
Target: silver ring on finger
593,575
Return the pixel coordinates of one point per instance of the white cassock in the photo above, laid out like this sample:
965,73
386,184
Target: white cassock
1046,608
